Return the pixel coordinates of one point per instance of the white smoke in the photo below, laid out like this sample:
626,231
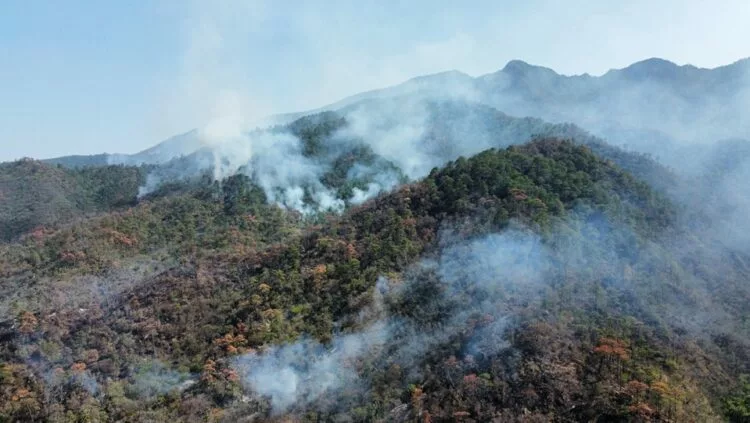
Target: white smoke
301,373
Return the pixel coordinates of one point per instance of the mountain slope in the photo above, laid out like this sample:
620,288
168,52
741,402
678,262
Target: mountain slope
332,160
588,313
416,254
682,102
173,147
34,194
339,158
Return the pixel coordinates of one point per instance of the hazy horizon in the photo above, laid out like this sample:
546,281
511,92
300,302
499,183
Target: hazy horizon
87,79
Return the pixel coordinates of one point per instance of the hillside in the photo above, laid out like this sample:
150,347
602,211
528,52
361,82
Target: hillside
417,253
34,194
335,159
176,146
537,282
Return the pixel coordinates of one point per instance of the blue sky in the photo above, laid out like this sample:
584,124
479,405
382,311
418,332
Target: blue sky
83,77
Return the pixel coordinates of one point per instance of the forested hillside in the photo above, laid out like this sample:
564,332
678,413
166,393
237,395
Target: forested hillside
253,211
34,194
546,281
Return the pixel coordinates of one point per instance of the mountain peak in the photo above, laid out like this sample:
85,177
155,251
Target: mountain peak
521,68
651,68
518,66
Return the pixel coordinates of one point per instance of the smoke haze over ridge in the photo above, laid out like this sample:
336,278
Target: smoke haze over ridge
256,58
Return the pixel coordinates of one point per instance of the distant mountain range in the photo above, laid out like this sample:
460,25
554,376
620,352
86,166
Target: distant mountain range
650,101
653,106
176,146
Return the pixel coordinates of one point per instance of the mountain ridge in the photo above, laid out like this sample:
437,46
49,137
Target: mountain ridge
488,89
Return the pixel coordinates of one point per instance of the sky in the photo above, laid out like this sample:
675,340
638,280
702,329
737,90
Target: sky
86,77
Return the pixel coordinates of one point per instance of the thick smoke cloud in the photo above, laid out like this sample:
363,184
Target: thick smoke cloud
393,133
279,167
400,131
274,160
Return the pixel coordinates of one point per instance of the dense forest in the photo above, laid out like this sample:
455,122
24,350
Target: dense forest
552,279
36,194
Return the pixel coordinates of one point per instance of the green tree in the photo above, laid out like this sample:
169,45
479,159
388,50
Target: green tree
241,195
738,405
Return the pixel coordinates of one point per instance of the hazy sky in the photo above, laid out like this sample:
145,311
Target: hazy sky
82,77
